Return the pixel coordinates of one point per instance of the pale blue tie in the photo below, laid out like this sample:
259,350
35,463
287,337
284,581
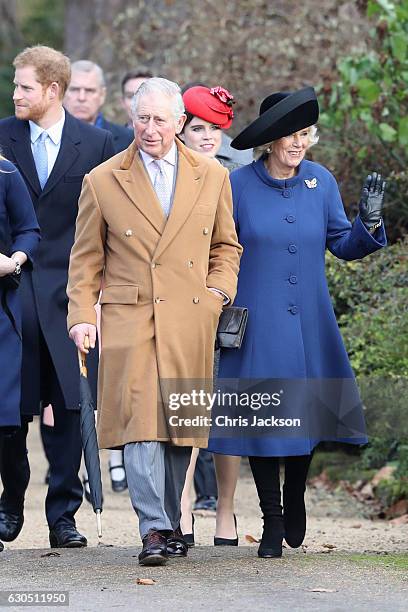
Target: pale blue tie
161,187
41,158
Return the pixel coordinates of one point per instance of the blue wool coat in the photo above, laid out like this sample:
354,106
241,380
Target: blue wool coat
285,227
19,231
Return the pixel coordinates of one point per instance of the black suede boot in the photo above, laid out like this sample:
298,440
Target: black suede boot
294,509
266,475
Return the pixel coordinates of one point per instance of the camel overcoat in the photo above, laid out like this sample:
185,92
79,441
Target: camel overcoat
158,318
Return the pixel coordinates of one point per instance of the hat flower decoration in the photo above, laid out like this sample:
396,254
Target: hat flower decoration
224,96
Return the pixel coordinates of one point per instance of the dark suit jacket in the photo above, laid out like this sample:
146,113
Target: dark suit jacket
122,136
43,290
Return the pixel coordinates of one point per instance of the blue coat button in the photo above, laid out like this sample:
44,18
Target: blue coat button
293,279
292,248
294,309
290,218
286,193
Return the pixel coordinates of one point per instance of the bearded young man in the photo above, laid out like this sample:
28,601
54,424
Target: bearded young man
53,152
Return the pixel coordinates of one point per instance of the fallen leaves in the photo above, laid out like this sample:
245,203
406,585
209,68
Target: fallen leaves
145,581
329,546
251,540
51,554
322,590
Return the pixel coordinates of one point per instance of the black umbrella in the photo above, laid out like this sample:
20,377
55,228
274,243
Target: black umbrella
89,440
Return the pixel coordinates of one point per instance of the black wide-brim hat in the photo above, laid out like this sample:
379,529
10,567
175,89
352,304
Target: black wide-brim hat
280,114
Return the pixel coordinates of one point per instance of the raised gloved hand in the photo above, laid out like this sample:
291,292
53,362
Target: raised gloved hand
372,200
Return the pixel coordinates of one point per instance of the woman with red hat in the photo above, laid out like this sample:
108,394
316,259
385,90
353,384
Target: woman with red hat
209,112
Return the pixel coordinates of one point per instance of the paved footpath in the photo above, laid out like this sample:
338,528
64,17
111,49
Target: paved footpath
348,562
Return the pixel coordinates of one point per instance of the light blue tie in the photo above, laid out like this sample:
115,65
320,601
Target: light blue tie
161,187
41,158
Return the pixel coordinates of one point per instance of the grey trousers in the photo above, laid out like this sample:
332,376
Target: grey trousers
156,472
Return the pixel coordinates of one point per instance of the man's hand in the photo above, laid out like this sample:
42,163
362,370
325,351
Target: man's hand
7,265
372,200
78,332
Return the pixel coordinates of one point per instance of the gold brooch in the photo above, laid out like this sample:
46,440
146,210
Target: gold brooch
312,183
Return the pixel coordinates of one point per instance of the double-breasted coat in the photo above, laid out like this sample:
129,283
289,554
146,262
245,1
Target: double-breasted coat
43,289
19,231
285,227
158,318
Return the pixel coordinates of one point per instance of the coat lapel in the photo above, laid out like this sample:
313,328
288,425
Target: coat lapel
135,182
190,179
21,148
67,154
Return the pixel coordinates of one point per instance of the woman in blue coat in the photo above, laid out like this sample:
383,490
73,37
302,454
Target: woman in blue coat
288,211
19,235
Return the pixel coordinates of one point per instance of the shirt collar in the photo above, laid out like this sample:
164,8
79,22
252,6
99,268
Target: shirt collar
170,157
54,132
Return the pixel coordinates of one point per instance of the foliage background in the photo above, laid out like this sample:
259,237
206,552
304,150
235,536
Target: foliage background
355,54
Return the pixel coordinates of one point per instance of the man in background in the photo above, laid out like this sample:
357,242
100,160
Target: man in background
131,82
85,97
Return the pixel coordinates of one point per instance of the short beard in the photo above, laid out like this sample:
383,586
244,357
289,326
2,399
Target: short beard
35,113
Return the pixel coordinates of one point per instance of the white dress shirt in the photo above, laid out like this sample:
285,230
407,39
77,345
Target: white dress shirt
169,167
53,143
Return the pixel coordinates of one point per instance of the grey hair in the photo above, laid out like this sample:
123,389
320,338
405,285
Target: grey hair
165,87
265,149
88,66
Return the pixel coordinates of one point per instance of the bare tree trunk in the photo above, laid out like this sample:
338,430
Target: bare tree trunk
87,26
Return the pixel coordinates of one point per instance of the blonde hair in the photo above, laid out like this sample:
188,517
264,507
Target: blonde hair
51,66
264,150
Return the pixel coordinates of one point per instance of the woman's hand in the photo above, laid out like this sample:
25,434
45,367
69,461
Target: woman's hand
372,200
7,265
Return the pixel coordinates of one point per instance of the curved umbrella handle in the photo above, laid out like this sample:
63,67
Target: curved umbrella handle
82,358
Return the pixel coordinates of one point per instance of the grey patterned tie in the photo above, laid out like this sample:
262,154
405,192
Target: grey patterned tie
161,187
41,158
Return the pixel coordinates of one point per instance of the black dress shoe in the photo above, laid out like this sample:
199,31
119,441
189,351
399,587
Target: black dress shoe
11,523
227,541
177,545
118,485
294,516
154,550
66,536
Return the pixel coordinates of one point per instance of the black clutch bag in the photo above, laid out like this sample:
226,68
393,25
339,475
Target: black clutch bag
231,327
10,281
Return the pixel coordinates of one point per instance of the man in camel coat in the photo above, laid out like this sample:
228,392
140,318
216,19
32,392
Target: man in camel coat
155,225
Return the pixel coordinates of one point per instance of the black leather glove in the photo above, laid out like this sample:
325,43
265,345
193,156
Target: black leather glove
372,200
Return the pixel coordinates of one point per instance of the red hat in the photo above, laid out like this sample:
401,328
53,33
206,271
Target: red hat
213,105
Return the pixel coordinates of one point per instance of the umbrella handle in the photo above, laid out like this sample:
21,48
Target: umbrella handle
98,522
82,358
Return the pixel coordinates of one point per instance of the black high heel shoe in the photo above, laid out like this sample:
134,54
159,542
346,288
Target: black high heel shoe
189,537
227,541
118,485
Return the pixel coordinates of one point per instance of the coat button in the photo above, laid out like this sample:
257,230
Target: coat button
290,218
128,233
153,265
196,300
293,279
190,264
286,193
205,231
292,248
156,300
294,309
